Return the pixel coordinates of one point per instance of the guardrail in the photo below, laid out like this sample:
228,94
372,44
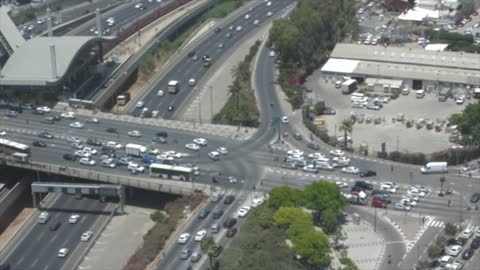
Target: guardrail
104,96
155,184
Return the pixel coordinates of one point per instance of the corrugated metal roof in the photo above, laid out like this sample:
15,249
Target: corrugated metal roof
9,30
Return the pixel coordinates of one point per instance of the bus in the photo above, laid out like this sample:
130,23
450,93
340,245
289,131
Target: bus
10,147
173,87
171,172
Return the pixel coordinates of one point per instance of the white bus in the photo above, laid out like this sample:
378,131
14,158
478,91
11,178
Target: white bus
10,147
171,172
21,157
173,87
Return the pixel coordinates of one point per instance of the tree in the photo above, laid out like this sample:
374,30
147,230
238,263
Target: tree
235,90
319,107
285,196
285,216
208,246
424,265
324,195
313,247
346,127
450,229
329,221
434,251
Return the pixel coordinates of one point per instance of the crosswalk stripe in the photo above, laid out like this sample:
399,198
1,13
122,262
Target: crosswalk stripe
429,222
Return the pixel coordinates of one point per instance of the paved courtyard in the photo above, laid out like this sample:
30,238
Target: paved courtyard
395,134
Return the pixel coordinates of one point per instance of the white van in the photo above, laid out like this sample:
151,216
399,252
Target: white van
358,97
43,218
435,167
420,93
214,155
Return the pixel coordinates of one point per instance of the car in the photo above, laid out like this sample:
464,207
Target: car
316,156
229,222
467,233
134,167
3,133
68,115
350,170
200,141
45,135
403,207
114,145
455,250
284,119
290,166
337,153
389,187
217,213
203,213
82,154
269,4
373,106
48,120
93,120
73,218
70,157
475,197
183,238
378,203
313,146
200,235
341,184
161,140
171,108
269,14
192,146
86,236
460,100
185,254
140,104
76,125
90,150
111,130
231,232
409,202
385,200
239,28
417,192
134,133
328,111
196,256
411,197
256,22
74,139
364,185
44,109
87,161
222,150
55,226
359,104
62,253
257,202
11,114
368,173
244,211
475,243
39,144
310,168
229,199
217,29
93,142
228,35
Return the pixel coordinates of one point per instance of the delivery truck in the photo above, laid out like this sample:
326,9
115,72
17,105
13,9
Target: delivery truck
358,198
135,150
349,86
435,167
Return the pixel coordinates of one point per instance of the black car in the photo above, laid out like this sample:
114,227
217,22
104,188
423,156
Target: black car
217,250
467,254
368,173
45,135
162,134
229,222
69,156
475,197
161,140
475,243
55,226
171,108
206,64
94,142
313,146
217,30
206,58
39,144
328,111
217,213
364,185
191,54
26,106
203,213
5,266
452,242
462,241
38,112
111,130
231,232
229,199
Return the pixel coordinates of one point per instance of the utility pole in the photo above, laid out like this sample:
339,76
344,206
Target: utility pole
211,101
375,220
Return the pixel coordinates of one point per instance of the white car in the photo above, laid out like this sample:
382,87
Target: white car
269,4
93,120
87,161
165,157
284,119
192,146
200,141
153,151
86,236
455,250
200,235
82,154
247,16
239,28
108,163
411,197
256,22
272,54
135,167
257,202
174,154
351,170
460,100
337,153
44,109
192,82
416,192
90,150
74,140
244,211
387,186
140,104
68,115
73,218
341,184
76,125
183,238
3,133
467,233
269,14
310,168
62,253
477,233
222,150
401,206
408,202
134,133
344,161
295,152
114,145
160,93
316,156
325,166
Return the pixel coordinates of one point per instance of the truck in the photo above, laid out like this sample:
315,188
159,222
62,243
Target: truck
357,198
43,217
349,86
173,86
435,167
135,150
123,99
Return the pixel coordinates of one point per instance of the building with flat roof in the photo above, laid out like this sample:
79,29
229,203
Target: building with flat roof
417,68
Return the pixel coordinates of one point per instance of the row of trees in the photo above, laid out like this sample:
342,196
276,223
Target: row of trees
304,41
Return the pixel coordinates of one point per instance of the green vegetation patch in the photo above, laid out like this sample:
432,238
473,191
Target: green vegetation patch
455,41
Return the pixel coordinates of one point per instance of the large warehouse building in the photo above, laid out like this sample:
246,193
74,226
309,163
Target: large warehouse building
413,68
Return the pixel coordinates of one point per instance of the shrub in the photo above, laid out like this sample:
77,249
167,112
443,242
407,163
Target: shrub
434,251
451,229
158,217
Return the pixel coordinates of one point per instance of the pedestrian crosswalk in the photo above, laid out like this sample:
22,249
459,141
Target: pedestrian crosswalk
435,223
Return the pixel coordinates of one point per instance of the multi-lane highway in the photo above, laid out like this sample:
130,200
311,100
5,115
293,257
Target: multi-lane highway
187,68
39,245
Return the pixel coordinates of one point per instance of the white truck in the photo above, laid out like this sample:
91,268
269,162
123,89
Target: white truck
135,150
349,86
360,198
173,87
435,167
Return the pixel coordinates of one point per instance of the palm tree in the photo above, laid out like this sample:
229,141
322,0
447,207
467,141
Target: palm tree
208,247
346,127
235,90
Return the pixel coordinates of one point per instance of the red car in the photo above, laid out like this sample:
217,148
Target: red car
378,204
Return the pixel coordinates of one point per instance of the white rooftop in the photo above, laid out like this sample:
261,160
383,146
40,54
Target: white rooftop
436,47
340,65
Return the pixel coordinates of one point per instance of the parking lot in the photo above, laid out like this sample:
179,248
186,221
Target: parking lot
395,134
